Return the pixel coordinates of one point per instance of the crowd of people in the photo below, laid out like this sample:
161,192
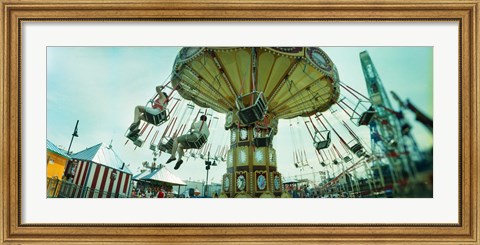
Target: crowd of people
153,192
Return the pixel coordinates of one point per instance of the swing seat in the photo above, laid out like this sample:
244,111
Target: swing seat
156,119
254,112
263,141
134,137
347,159
358,150
366,117
321,142
360,153
335,161
153,147
166,147
361,116
138,142
323,164
195,144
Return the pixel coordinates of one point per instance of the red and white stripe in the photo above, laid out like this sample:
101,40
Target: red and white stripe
99,178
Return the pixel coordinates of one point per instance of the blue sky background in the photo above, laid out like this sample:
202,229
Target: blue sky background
100,86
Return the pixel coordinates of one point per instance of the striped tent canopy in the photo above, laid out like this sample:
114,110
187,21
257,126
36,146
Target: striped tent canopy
162,174
104,155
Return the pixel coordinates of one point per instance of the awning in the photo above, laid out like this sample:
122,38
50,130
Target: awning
163,175
290,181
141,175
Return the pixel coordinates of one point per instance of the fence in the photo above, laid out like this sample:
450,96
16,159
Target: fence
62,189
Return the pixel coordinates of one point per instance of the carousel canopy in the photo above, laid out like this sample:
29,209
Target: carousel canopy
104,155
295,81
163,175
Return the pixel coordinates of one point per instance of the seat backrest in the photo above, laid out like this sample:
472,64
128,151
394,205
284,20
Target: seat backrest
356,147
166,147
254,112
321,143
157,119
197,143
360,152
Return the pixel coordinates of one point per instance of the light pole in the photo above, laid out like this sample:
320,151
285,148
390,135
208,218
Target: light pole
75,134
208,163
313,172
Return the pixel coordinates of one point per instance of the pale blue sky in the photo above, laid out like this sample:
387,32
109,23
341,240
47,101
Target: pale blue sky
100,86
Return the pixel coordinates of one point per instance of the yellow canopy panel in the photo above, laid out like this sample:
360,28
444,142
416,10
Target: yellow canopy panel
296,81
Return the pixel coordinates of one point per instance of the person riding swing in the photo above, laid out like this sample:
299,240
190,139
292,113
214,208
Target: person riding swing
198,130
159,106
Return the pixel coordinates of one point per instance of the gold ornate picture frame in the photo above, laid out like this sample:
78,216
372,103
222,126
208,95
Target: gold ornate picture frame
16,12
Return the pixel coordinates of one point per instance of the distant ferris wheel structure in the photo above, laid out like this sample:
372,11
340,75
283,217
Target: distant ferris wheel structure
389,132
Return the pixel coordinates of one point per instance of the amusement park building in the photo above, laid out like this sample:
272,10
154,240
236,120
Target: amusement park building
100,170
56,161
191,186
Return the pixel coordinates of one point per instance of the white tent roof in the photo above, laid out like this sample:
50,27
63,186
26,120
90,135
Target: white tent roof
163,175
290,181
140,175
104,155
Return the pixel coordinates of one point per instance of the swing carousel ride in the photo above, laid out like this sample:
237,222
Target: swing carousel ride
254,88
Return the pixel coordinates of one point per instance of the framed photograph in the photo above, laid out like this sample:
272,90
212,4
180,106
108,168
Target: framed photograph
90,67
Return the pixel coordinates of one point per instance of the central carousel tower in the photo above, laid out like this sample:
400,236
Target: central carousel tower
255,87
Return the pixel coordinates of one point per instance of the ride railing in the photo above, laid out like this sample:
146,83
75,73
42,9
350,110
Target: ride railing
62,189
